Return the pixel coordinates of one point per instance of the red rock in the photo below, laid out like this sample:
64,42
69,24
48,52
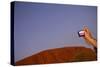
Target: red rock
60,55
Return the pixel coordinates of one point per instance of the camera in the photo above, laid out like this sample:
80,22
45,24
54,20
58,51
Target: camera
81,33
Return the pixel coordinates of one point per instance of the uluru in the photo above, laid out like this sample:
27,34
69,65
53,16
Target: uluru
60,55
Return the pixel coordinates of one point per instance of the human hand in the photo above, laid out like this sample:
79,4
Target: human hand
88,37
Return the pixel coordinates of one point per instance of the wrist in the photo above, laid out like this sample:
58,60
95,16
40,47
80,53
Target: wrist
93,42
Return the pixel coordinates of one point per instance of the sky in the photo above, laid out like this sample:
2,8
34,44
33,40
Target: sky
42,26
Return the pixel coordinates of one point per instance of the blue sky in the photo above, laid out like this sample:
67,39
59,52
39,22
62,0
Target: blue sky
39,26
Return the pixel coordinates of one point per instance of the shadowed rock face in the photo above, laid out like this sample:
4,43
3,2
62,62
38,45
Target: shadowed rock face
60,55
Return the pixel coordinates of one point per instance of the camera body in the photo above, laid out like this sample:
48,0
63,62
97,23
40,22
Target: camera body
81,33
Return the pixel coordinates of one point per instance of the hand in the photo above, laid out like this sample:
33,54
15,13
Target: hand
89,38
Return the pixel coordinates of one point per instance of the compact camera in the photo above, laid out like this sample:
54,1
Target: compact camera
81,33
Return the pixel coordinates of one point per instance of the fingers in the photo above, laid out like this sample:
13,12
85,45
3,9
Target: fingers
86,29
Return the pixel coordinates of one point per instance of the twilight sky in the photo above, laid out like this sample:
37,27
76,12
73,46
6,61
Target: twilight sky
39,26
